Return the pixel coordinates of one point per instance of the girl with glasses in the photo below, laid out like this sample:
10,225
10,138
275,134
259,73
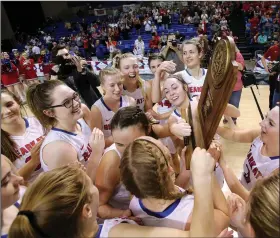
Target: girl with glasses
70,138
20,137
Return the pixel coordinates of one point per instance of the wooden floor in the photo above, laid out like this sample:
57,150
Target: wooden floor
235,153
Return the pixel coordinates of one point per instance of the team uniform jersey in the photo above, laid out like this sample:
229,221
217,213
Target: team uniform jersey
164,106
80,142
121,197
174,216
9,73
33,134
108,224
138,95
38,67
218,170
194,85
107,113
27,66
256,165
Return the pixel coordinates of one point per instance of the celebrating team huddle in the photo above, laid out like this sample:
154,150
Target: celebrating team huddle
118,169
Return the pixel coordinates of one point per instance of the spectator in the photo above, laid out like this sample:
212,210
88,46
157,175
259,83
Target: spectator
139,47
262,39
137,25
254,24
214,27
84,25
153,28
276,23
171,52
147,24
223,24
179,37
165,21
163,39
111,46
159,20
196,19
47,38
272,54
266,24
200,31
154,44
99,50
204,17
36,52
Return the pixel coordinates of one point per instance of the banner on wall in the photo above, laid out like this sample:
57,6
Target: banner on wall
100,12
99,65
127,8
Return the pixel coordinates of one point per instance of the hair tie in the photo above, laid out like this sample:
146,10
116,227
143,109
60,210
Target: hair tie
32,219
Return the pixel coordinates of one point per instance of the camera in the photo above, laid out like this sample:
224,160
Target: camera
174,43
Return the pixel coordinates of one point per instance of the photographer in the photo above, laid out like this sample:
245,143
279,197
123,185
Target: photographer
171,52
75,72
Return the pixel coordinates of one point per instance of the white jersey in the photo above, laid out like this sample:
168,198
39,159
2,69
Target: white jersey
79,142
108,224
174,216
218,170
33,134
107,113
194,85
39,70
138,95
256,165
164,106
121,197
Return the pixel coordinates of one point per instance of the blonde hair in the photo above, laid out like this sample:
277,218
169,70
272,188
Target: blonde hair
108,71
263,207
117,63
145,171
54,203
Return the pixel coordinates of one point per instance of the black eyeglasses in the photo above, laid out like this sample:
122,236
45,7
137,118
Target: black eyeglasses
69,102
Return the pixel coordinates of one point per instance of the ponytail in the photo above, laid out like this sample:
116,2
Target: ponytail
22,227
39,98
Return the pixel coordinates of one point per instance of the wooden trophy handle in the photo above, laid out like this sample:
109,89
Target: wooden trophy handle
187,143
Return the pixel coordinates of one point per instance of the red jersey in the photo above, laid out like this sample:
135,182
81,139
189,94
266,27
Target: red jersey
27,67
272,52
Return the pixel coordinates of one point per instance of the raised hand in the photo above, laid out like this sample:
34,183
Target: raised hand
97,141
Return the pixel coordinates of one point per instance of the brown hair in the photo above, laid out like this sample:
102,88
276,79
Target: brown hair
117,59
263,207
108,71
155,57
39,98
144,171
198,42
55,200
8,146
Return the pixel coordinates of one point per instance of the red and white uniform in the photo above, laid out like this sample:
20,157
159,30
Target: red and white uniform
164,106
9,74
38,68
80,142
33,134
194,85
27,67
175,215
107,113
256,165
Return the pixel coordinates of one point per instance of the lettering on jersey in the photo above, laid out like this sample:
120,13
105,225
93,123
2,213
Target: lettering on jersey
107,127
87,152
166,103
253,167
27,148
195,89
139,100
